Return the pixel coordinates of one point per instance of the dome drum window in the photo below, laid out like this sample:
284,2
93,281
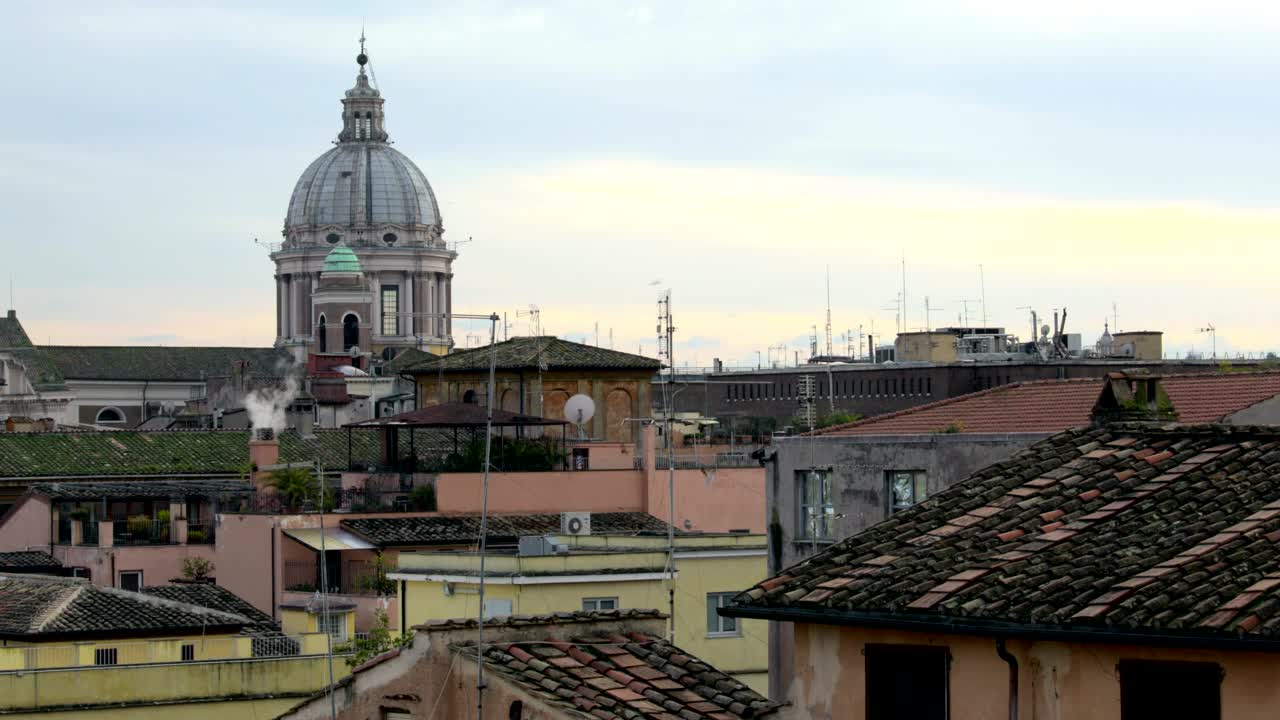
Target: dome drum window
389,238
332,238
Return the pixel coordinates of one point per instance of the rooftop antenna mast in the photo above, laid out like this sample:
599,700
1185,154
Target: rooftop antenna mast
928,314
982,285
1213,335
904,291
484,508
666,333
535,318
829,349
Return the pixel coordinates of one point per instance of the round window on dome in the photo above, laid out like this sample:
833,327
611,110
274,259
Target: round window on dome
390,238
333,238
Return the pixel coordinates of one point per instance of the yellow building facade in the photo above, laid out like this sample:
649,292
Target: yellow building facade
606,572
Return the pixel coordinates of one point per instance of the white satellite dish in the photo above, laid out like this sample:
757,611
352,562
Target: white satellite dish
579,409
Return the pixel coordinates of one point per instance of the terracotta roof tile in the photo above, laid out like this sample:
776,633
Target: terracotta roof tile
1197,555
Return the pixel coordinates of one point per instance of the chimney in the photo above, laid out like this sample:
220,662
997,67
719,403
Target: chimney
1133,396
264,451
13,314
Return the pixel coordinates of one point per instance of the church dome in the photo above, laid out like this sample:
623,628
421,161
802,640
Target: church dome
363,191
341,259
362,183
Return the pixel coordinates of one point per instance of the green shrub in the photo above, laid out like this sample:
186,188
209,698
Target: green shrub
423,498
195,537
139,525
197,568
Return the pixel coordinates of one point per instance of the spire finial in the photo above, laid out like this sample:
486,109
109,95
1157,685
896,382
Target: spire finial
362,59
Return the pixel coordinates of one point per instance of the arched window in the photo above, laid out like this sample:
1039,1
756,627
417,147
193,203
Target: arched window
469,397
350,332
389,354
324,335
516,710
109,415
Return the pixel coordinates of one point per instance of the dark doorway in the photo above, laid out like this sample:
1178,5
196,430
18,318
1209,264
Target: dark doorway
324,336
906,681
333,570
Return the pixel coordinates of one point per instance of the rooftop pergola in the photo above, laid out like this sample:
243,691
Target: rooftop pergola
435,432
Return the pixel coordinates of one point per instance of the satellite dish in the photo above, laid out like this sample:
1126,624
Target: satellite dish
1044,331
579,409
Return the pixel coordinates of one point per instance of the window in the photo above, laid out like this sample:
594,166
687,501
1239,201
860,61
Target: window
333,623
593,604
323,335
817,511
109,415
390,309
906,681
350,332
906,488
105,656
1161,690
389,238
516,710
497,608
389,354
333,238
396,715
188,653
80,572
131,580
717,625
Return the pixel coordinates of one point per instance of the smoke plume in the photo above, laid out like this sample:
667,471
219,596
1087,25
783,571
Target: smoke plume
266,406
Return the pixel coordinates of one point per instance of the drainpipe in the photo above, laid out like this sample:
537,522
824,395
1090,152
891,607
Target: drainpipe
1008,657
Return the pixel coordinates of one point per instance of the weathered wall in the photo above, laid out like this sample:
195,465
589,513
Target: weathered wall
1056,681
859,464
144,685
248,559
158,563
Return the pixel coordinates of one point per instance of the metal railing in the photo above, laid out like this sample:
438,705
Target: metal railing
155,532
701,462
200,534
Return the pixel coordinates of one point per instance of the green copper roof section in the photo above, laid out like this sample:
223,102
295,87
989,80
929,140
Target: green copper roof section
341,259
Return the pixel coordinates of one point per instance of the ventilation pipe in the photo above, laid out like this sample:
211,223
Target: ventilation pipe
1008,657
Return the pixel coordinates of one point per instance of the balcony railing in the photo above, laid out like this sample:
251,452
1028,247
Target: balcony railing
200,534
134,532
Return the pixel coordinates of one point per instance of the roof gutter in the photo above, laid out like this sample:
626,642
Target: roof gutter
1008,657
1003,628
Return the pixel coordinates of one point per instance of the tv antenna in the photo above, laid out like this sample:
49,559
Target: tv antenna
535,318
829,351
1213,336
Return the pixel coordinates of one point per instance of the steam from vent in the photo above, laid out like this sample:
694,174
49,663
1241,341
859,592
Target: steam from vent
267,406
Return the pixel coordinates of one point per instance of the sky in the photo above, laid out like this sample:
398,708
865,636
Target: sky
1118,160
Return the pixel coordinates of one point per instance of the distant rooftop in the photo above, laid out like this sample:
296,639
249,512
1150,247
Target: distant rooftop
1049,406
533,353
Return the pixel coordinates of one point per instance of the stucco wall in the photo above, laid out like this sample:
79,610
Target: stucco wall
27,525
593,491
1056,681
859,464
711,499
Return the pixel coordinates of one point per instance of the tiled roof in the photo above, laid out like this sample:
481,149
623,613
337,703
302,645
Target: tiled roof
636,676
1050,406
13,339
454,529
456,414
215,597
36,606
176,364
1170,532
27,560
163,452
158,488
531,353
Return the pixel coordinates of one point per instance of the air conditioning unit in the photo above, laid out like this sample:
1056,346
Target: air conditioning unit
575,523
